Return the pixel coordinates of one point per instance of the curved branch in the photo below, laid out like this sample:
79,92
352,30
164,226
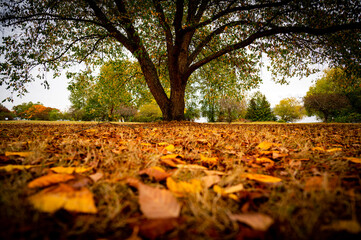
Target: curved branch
274,31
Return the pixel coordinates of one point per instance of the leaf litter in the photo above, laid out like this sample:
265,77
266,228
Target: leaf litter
181,180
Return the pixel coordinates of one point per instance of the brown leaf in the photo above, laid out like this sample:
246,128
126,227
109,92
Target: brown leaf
96,176
351,226
257,221
210,180
154,228
157,203
20,154
155,172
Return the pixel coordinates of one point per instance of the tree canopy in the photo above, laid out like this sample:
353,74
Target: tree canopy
172,39
289,110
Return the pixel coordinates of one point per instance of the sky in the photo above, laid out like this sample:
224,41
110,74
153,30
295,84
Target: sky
58,95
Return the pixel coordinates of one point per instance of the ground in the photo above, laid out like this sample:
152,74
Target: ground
179,180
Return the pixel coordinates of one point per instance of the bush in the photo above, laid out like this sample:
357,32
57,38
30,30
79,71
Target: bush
148,113
350,118
5,114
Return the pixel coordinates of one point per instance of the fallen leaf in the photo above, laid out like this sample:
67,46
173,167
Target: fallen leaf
262,178
21,154
9,168
353,159
172,156
191,167
229,191
210,180
50,179
334,150
257,221
163,143
63,196
318,149
155,172
154,228
209,160
70,169
266,160
318,183
265,145
214,172
169,148
351,226
157,203
96,176
181,188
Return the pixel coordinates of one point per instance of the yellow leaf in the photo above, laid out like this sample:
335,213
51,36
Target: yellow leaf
353,159
334,150
163,143
191,167
233,189
265,145
9,168
209,160
182,188
63,196
318,149
146,144
172,156
70,170
169,148
265,160
21,154
262,178
50,179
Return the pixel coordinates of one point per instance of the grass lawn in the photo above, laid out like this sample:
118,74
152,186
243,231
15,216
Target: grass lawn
71,180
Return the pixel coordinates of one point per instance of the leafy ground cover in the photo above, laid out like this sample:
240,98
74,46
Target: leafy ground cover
180,181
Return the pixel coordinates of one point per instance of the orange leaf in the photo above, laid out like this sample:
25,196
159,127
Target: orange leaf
169,148
210,180
353,159
9,168
262,178
157,203
154,228
209,160
155,172
70,169
50,179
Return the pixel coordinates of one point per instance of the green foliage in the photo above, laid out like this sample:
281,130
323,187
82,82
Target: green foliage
148,113
259,109
36,111
289,110
192,113
335,97
111,95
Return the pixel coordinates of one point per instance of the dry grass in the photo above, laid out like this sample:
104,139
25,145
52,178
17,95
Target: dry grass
117,151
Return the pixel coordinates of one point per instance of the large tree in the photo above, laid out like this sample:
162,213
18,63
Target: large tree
177,37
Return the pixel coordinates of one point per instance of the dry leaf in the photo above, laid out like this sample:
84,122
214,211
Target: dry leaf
9,168
21,154
181,188
353,159
70,169
334,150
155,172
96,176
157,203
169,148
63,196
154,228
210,180
262,178
191,167
172,156
265,145
318,183
209,160
318,149
50,179
214,172
257,221
351,226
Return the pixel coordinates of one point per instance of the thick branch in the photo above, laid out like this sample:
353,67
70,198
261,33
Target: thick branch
273,31
164,24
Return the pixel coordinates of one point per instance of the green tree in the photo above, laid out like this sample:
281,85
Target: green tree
259,109
21,109
335,97
149,113
184,35
289,110
231,109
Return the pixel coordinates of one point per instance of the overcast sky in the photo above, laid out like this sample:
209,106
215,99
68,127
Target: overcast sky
58,95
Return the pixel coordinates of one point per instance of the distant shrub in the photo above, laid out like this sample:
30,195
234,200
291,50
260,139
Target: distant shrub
148,113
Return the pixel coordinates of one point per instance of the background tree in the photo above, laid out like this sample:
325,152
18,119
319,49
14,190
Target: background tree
289,110
21,109
231,109
186,35
259,109
335,97
5,114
